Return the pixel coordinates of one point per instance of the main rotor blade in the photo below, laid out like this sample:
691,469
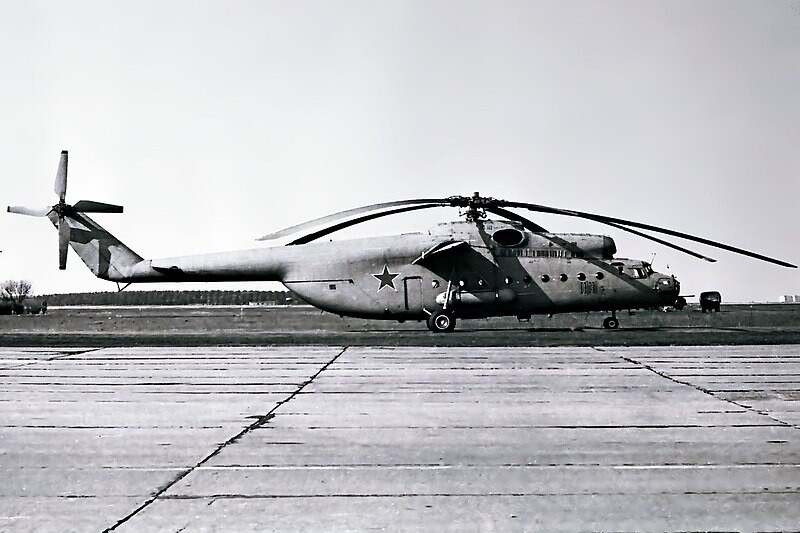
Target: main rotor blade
612,220
662,241
527,224
344,214
336,227
61,176
88,206
30,211
512,215
63,243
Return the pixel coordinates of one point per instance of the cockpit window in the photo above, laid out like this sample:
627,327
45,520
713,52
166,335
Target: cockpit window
641,272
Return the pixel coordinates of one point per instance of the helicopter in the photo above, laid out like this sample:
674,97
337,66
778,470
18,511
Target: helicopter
472,268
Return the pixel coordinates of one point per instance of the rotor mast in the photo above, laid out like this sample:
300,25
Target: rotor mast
475,205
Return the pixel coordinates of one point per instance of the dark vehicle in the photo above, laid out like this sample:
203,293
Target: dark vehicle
710,301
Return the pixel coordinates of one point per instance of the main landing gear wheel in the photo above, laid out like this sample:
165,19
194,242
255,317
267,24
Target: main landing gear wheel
441,322
611,322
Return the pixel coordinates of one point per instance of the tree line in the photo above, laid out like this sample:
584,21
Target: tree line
173,298
17,296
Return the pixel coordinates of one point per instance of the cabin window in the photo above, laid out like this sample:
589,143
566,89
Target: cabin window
509,280
545,278
581,276
435,284
481,283
527,279
462,283
599,275
332,287
563,277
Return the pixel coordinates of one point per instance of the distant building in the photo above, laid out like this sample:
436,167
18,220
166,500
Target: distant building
788,299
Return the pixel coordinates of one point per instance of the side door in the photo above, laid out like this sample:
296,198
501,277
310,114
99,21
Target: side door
413,293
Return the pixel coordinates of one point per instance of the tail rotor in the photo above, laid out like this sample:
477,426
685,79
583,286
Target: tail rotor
60,212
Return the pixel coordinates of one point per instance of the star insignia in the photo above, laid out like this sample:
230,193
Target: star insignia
386,278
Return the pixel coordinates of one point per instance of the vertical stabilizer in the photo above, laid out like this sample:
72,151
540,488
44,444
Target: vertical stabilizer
105,255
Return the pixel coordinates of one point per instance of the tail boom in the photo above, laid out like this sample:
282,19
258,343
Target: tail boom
108,258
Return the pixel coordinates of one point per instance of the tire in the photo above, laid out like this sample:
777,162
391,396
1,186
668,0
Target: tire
611,322
441,322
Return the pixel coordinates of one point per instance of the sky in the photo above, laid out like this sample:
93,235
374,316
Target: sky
214,123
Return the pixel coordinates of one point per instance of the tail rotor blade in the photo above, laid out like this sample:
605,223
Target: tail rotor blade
63,243
61,177
88,206
30,211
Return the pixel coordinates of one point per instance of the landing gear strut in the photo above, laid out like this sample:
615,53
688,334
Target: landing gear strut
441,322
611,322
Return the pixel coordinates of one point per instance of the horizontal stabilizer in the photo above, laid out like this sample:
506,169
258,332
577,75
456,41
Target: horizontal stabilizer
88,206
167,270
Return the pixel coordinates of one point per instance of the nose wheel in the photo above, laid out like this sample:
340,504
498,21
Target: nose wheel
441,322
611,322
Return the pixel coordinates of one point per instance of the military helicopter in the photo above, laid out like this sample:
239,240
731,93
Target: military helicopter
471,268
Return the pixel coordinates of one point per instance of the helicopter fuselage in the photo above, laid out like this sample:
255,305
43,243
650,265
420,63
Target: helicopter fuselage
469,269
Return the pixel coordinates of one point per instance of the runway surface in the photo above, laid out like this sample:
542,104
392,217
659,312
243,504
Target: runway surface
327,438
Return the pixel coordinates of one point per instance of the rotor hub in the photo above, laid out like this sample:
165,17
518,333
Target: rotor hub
62,208
475,205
